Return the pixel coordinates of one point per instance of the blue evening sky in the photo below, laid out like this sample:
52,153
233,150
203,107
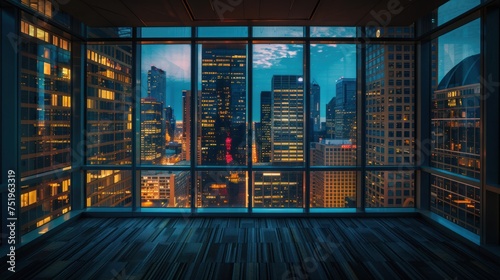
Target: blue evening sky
328,63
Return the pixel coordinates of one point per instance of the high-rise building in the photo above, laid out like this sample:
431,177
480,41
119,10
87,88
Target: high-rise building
157,89
265,127
315,102
283,189
390,129
223,104
170,124
45,124
456,138
157,84
278,189
345,109
333,188
287,113
222,128
165,189
152,138
456,142
330,118
186,124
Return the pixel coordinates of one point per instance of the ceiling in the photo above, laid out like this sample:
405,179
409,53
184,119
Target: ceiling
135,13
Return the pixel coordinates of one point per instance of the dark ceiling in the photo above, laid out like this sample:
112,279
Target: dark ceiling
137,13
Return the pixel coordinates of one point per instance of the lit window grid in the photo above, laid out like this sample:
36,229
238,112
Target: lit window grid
44,201
457,202
108,188
162,189
109,105
455,125
48,69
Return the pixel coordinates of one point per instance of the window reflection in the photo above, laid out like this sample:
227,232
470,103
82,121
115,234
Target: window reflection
45,86
44,201
221,189
109,104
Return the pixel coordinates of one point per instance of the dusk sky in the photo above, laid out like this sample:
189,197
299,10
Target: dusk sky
329,62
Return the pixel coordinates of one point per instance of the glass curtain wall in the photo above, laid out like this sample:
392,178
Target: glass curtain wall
45,134
456,125
205,141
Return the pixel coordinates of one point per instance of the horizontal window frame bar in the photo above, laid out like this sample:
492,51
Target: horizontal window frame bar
451,176
403,168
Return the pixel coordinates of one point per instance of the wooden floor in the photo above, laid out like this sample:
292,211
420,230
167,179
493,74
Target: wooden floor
251,248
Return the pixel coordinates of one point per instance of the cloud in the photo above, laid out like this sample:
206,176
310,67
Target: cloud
174,59
269,55
333,32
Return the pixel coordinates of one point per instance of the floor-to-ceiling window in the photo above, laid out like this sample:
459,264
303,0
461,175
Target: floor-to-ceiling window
45,119
456,125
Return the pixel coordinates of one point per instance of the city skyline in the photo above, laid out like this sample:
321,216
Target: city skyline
269,60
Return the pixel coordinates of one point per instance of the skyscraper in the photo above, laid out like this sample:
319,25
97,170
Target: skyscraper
45,125
284,189
330,118
390,95
456,143
345,109
456,120
152,139
165,189
186,124
315,107
265,127
157,84
170,124
287,140
223,105
157,90
109,124
222,136
333,188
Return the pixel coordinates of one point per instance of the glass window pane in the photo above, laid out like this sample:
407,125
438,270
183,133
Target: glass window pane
276,189
457,202
109,188
221,189
109,104
165,189
44,201
49,9
221,124
454,8
456,119
390,32
110,32
390,189
333,32
165,32
390,104
221,32
278,31
333,189
45,89
333,103
278,87
165,104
